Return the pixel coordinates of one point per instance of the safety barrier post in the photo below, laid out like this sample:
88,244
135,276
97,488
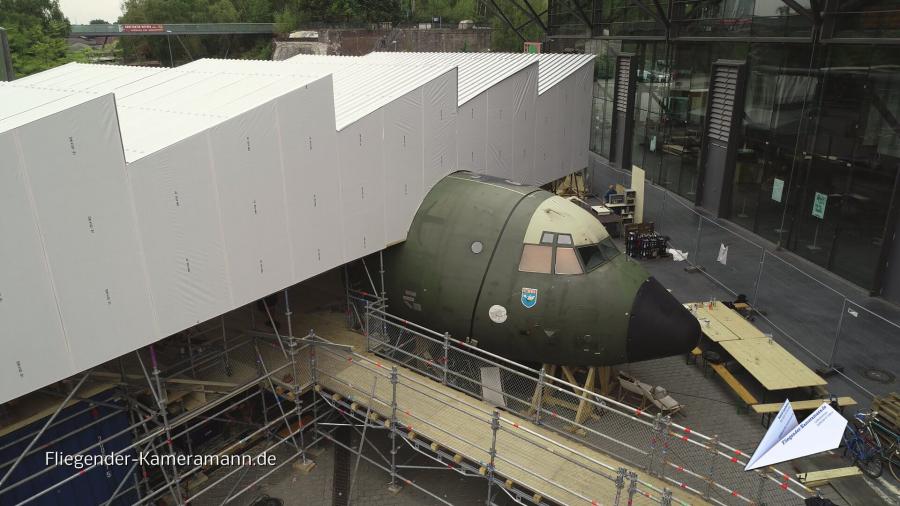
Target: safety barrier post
665,433
713,449
539,394
666,499
446,356
697,242
762,266
620,484
495,426
394,486
654,443
759,489
632,486
837,334
366,328
314,380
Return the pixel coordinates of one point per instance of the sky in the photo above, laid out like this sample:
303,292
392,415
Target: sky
81,12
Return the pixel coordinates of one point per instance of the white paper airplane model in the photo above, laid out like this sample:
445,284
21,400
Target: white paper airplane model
787,440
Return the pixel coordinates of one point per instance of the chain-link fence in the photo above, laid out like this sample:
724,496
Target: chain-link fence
674,454
828,328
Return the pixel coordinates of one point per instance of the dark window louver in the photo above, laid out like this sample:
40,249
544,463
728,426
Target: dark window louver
622,82
724,85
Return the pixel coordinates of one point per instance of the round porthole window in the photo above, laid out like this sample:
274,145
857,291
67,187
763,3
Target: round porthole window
477,247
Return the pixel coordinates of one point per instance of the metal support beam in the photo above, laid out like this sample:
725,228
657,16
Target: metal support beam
529,11
662,14
6,69
803,11
579,12
505,18
648,11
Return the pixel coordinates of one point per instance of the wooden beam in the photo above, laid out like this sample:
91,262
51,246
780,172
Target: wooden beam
584,407
174,381
817,478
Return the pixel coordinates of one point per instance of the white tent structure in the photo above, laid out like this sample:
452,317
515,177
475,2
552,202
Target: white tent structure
194,225
137,202
547,134
397,138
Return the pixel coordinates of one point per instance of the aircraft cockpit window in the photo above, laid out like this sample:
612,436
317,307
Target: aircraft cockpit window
567,261
536,258
547,238
595,255
564,239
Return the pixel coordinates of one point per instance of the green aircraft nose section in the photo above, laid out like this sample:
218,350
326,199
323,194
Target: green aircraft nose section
530,276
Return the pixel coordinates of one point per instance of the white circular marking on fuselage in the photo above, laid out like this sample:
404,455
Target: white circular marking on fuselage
497,313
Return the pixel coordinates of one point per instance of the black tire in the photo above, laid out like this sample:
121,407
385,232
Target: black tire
868,444
871,467
894,464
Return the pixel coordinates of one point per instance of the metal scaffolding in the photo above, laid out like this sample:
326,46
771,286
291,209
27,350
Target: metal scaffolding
280,392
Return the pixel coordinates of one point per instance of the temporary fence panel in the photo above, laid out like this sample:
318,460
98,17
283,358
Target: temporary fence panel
85,212
440,129
524,98
362,185
471,134
500,115
251,198
547,137
34,346
177,208
312,181
403,163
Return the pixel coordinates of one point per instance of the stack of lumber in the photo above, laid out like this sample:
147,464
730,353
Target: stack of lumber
888,408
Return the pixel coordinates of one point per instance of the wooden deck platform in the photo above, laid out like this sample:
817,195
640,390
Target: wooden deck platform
527,454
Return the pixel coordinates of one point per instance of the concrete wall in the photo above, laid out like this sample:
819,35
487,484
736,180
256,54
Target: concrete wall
356,42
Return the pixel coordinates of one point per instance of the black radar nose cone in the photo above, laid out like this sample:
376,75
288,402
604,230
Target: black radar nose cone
659,326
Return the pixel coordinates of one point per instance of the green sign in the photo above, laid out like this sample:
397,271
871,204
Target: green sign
777,189
818,209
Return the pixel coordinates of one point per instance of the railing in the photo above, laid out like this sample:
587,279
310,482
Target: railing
497,451
171,29
826,326
654,444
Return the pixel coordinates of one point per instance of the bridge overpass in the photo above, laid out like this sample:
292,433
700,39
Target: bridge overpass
160,29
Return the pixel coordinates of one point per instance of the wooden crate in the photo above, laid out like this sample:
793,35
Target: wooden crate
888,407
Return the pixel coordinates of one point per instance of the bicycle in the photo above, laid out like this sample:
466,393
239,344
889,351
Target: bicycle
890,452
863,445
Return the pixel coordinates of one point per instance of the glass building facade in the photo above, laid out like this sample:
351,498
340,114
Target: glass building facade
820,112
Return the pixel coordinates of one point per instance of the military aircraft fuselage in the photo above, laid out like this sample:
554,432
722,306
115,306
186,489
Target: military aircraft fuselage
530,276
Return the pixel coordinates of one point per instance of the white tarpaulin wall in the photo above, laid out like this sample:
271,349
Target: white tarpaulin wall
232,180
68,163
562,132
548,136
396,135
207,175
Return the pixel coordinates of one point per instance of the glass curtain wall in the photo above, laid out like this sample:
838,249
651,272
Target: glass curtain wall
830,202
821,129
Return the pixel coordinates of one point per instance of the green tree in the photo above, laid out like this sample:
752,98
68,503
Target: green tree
98,22
37,31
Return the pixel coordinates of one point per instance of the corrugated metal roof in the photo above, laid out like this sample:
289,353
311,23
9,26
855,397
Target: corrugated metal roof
157,107
553,68
477,71
362,86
